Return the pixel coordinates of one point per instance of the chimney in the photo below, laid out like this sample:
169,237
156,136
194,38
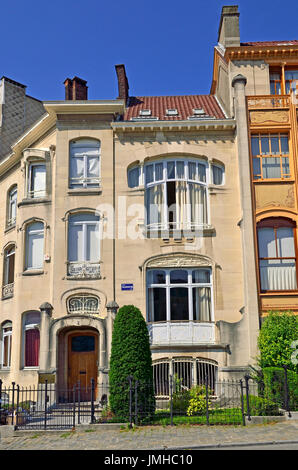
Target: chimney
123,86
76,89
228,33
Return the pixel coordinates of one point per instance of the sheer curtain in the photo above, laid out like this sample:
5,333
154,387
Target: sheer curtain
202,303
198,202
277,274
155,206
181,204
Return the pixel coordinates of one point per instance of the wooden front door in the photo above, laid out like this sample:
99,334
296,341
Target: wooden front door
82,362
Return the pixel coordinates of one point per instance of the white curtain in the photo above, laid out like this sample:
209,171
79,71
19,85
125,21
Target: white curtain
155,205
181,205
198,201
271,167
202,304
133,177
93,243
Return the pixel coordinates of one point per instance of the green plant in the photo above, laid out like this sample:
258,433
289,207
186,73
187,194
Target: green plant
130,356
259,406
274,386
277,333
197,401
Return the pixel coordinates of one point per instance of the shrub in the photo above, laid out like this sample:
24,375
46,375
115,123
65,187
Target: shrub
197,401
259,406
274,386
277,333
130,356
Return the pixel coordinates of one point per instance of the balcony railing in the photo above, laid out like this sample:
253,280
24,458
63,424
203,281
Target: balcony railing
181,333
268,101
7,291
83,270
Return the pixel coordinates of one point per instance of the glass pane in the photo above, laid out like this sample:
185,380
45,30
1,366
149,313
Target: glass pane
149,173
274,145
75,243
285,166
192,171
180,170
31,348
159,171
133,178
171,170
284,144
217,173
38,180
83,343
265,145
156,277
179,276
179,303
277,275
256,166
92,243
157,304
271,167
285,242
202,172
255,146
266,239
201,276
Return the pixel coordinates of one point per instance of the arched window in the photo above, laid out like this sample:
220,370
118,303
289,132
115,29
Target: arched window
8,274
31,322
83,304
176,194
12,207
6,336
83,244
84,171
34,245
277,254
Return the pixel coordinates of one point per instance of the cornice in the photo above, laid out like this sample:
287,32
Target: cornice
193,125
85,107
261,52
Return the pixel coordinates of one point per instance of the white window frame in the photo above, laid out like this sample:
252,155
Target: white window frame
97,223
32,193
8,334
189,285
85,181
27,241
12,202
188,181
26,327
6,263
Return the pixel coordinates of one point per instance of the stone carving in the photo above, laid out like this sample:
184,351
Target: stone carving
269,116
84,270
284,197
178,261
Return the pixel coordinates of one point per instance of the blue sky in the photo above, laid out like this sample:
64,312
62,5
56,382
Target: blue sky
166,45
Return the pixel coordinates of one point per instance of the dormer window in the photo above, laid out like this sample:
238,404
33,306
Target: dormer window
172,112
145,112
198,112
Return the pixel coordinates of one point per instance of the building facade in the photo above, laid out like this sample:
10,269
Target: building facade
148,201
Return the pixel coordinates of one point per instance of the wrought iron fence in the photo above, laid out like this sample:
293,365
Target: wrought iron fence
209,401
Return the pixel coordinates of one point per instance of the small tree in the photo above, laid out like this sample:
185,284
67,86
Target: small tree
278,332
130,356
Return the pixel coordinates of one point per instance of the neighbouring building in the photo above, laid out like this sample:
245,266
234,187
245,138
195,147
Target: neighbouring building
145,201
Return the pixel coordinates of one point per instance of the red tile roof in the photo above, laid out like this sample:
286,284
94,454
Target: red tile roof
271,43
184,105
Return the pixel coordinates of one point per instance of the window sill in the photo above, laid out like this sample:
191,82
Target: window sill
31,368
85,192
30,201
10,228
180,234
33,272
279,293
276,181
5,369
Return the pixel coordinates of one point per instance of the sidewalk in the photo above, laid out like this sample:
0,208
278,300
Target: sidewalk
151,438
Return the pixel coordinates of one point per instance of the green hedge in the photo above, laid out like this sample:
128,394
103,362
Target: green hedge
274,386
259,406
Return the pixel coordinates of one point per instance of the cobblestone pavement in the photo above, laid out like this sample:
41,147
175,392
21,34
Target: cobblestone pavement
150,438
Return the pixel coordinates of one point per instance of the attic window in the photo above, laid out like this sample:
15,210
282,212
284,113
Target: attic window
198,112
145,112
172,112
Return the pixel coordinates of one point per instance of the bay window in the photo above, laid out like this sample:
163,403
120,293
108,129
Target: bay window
6,336
179,295
34,246
277,255
85,164
270,153
83,245
176,194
